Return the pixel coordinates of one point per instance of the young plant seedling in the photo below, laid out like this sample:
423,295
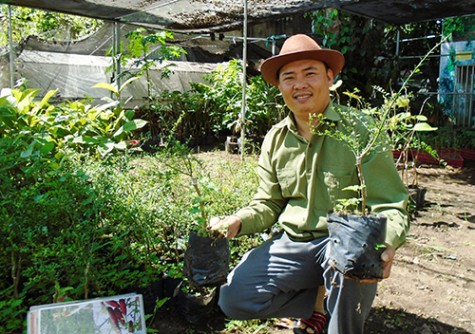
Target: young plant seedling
357,237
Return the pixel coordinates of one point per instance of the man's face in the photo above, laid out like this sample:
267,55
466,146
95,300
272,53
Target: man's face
305,86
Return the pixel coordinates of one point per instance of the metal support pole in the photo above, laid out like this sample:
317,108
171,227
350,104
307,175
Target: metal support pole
470,122
10,41
397,42
116,52
244,81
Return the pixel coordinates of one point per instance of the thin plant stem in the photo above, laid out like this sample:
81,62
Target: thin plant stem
383,118
394,98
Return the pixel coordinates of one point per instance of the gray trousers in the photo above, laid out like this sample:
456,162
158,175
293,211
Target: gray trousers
280,278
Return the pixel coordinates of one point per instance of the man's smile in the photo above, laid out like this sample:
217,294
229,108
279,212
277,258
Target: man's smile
302,97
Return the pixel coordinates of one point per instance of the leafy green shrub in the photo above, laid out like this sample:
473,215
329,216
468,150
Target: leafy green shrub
100,227
139,50
225,93
264,107
213,110
47,214
80,217
92,226
41,130
47,25
185,112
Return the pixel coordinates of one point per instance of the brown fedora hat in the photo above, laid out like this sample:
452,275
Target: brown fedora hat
300,47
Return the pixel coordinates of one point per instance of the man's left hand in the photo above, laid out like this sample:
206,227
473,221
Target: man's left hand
387,257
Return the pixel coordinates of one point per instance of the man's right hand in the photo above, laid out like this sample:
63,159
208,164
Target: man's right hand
228,226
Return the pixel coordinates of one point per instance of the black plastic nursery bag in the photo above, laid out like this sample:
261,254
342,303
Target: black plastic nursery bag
356,244
207,260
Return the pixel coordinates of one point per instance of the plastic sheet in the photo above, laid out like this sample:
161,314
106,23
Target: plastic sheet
75,75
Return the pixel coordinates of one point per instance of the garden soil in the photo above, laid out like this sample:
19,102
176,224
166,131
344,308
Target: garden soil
432,286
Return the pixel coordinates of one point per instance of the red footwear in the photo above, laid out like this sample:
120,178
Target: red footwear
316,324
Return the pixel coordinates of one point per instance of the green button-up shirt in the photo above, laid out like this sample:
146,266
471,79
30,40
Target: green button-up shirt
300,182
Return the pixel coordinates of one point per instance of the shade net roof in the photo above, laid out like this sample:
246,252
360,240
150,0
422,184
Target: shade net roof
224,15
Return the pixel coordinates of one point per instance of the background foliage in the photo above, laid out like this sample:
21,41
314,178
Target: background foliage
210,111
79,222
44,25
371,51
84,214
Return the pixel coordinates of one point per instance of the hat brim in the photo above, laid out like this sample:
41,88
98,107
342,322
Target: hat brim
271,66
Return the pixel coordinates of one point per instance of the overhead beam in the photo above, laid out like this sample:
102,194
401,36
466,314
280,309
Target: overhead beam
195,16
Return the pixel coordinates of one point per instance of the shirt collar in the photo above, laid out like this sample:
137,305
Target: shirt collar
329,114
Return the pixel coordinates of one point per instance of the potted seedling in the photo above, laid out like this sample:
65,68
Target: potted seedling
405,129
357,237
207,254
233,142
206,258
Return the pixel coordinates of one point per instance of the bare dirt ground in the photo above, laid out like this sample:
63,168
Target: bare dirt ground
432,286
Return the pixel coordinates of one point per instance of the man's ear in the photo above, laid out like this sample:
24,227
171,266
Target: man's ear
330,76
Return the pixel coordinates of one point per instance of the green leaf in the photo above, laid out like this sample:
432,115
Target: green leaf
85,140
404,115
27,153
79,140
46,98
24,103
134,125
105,85
130,126
129,114
47,147
355,188
423,126
125,84
122,145
7,115
106,148
421,118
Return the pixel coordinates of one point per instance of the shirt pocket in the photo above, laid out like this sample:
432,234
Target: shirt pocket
335,180
290,182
